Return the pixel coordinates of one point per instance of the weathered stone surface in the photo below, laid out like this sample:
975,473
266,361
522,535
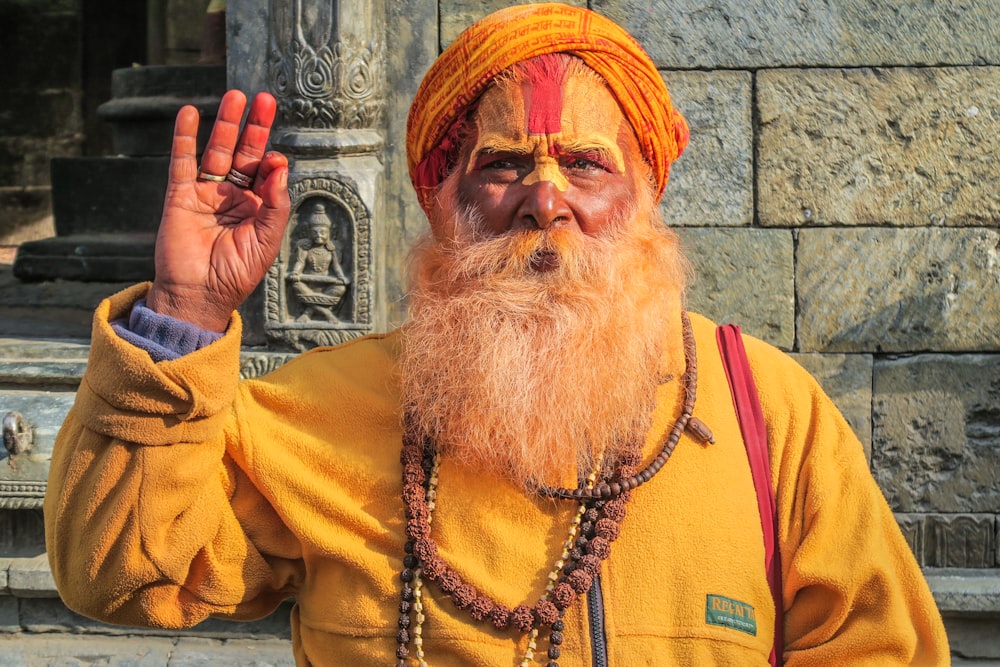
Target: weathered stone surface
40,44
965,591
897,290
410,51
22,533
887,146
960,540
42,362
31,577
847,380
712,182
87,194
744,276
41,113
9,619
102,257
42,614
67,650
912,527
457,15
739,34
936,432
24,161
55,309
974,639
242,652
23,650
25,214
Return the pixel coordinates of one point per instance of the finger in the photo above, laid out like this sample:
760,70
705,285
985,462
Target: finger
253,139
272,216
184,148
218,155
272,161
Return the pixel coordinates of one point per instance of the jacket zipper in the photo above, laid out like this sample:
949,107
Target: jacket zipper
595,614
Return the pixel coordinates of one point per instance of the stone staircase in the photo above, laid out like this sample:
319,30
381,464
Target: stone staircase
44,343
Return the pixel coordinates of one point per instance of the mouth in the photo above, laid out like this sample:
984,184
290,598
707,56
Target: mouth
544,261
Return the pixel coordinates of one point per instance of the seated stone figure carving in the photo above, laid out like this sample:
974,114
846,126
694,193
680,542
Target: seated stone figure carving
316,276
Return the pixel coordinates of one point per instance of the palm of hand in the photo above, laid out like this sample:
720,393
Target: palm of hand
216,239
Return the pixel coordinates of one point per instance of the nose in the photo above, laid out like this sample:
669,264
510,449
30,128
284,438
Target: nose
544,206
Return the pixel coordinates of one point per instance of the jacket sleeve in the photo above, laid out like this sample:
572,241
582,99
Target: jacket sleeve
150,515
852,589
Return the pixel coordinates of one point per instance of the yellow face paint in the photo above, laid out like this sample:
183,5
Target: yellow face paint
589,125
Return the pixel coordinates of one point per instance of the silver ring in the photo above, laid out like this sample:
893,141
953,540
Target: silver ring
239,179
203,176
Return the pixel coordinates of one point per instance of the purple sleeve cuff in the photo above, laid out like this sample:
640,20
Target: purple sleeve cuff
162,336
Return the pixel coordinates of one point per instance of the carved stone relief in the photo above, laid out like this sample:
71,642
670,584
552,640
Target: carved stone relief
319,290
321,79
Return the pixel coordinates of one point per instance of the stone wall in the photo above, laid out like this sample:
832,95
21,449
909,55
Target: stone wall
40,111
840,198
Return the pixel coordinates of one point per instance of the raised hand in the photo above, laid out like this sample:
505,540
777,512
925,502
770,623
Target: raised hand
223,221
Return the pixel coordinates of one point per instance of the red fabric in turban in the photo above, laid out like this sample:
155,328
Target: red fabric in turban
489,46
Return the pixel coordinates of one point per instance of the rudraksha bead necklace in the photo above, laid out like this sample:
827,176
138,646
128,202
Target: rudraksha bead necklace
598,523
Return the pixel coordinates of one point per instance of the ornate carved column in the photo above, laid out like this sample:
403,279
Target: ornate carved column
326,67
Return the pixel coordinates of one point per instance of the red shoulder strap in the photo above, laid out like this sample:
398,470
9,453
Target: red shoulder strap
754,430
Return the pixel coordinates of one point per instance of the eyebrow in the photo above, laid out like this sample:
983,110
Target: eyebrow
586,145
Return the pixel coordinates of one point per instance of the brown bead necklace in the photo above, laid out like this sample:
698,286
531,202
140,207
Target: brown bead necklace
602,511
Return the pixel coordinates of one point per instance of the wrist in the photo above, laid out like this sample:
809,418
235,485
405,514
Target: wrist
190,307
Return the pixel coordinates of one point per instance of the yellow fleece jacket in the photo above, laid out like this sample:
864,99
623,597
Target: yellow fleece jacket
178,492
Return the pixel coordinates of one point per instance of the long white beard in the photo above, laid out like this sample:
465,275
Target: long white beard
532,374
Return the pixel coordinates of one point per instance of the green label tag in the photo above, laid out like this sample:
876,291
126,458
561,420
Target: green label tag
730,613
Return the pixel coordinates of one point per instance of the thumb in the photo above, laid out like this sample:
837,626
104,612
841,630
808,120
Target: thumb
272,216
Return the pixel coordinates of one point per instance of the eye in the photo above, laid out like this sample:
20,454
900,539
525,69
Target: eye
585,162
499,162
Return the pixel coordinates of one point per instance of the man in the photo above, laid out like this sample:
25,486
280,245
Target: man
552,506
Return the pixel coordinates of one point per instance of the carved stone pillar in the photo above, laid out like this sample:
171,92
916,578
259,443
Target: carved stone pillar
325,66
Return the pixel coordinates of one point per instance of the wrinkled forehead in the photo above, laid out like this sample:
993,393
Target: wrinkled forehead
568,109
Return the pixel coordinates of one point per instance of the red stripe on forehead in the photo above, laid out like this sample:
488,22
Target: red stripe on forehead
543,76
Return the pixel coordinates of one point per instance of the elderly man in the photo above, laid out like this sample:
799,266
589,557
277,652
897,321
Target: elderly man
525,473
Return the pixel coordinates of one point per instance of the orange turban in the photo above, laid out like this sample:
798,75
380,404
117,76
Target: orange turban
489,46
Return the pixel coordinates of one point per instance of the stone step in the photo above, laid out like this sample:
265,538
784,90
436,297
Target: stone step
60,649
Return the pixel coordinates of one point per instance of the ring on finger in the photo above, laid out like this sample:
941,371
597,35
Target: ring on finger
205,176
239,179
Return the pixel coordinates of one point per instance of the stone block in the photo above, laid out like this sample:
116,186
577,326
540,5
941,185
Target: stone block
41,45
183,29
847,380
31,578
44,411
51,615
961,592
936,432
712,182
457,15
41,113
906,147
24,161
10,620
65,650
974,639
744,276
22,532
912,527
232,653
25,214
960,540
748,35
87,194
898,290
